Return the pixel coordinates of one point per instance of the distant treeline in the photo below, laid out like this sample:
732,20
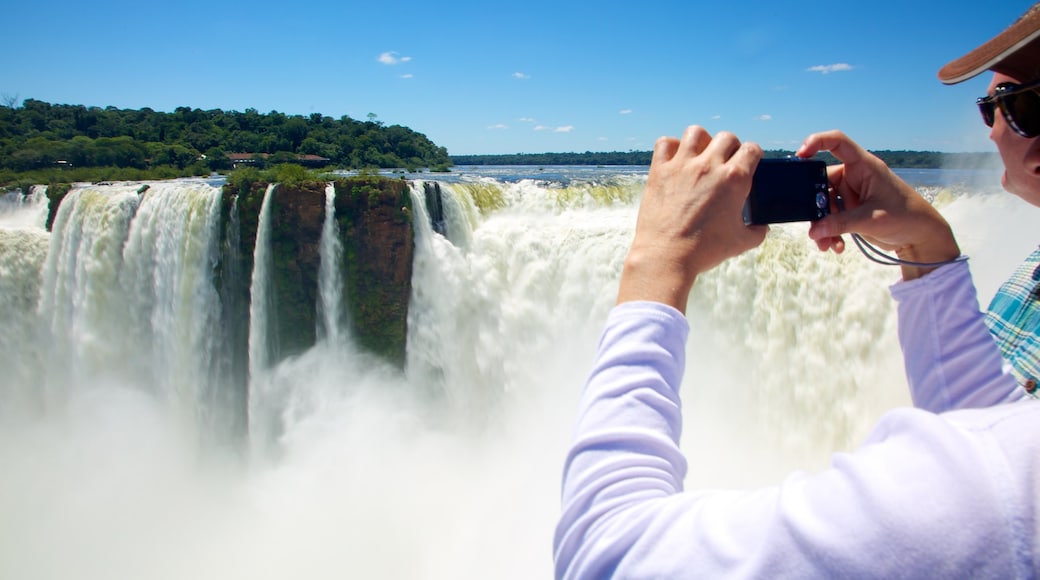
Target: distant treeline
586,158
896,159
39,135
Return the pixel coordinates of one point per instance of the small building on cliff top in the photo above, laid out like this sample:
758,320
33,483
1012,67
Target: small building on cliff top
249,159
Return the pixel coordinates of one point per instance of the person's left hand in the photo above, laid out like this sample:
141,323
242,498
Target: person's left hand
690,217
880,206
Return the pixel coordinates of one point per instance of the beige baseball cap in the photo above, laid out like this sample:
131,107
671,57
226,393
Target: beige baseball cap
1016,51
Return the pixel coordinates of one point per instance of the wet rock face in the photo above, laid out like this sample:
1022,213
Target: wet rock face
435,206
373,216
297,214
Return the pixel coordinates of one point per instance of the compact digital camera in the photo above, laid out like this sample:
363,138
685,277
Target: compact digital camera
787,190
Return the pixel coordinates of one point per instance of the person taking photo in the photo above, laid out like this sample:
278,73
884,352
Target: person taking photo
946,489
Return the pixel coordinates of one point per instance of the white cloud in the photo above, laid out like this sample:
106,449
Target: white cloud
625,112
391,58
497,126
407,76
829,68
527,120
521,76
561,129
763,118
716,117
603,139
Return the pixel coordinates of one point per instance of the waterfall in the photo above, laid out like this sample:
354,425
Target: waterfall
262,418
22,354
521,291
331,323
113,337
23,251
127,295
233,366
519,279
171,301
20,210
82,305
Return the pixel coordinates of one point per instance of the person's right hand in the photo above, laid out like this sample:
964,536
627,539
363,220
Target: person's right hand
690,216
879,206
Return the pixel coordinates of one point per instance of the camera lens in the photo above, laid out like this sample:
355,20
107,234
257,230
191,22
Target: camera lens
821,200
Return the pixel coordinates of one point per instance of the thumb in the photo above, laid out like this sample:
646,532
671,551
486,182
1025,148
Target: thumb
836,224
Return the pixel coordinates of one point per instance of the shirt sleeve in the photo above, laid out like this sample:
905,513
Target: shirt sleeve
917,500
952,361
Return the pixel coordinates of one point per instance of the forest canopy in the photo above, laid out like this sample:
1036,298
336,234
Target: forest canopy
39,135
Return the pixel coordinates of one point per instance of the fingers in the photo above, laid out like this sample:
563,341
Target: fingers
665,148
838,143
695,140
831,226
695,190
832,243
748,154
835,175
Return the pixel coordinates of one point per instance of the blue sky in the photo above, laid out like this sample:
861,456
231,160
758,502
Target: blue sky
483,77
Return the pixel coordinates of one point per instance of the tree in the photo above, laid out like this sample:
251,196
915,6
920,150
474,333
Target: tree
177,155
217,160
295,131
94,136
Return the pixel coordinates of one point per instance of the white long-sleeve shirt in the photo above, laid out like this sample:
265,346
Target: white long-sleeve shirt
950,495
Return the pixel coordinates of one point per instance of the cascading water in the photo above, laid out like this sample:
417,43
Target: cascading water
21,211
170,298
82,309
491,305
331,324
262,416
233,366
449,469
22,255
127,297
260,307
23,250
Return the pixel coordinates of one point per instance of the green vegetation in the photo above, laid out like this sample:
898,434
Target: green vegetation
45,143
934,160
897,159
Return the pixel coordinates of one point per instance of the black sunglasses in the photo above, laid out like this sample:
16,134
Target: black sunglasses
1020,105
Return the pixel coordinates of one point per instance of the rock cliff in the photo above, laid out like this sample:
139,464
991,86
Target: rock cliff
374,223
374,218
